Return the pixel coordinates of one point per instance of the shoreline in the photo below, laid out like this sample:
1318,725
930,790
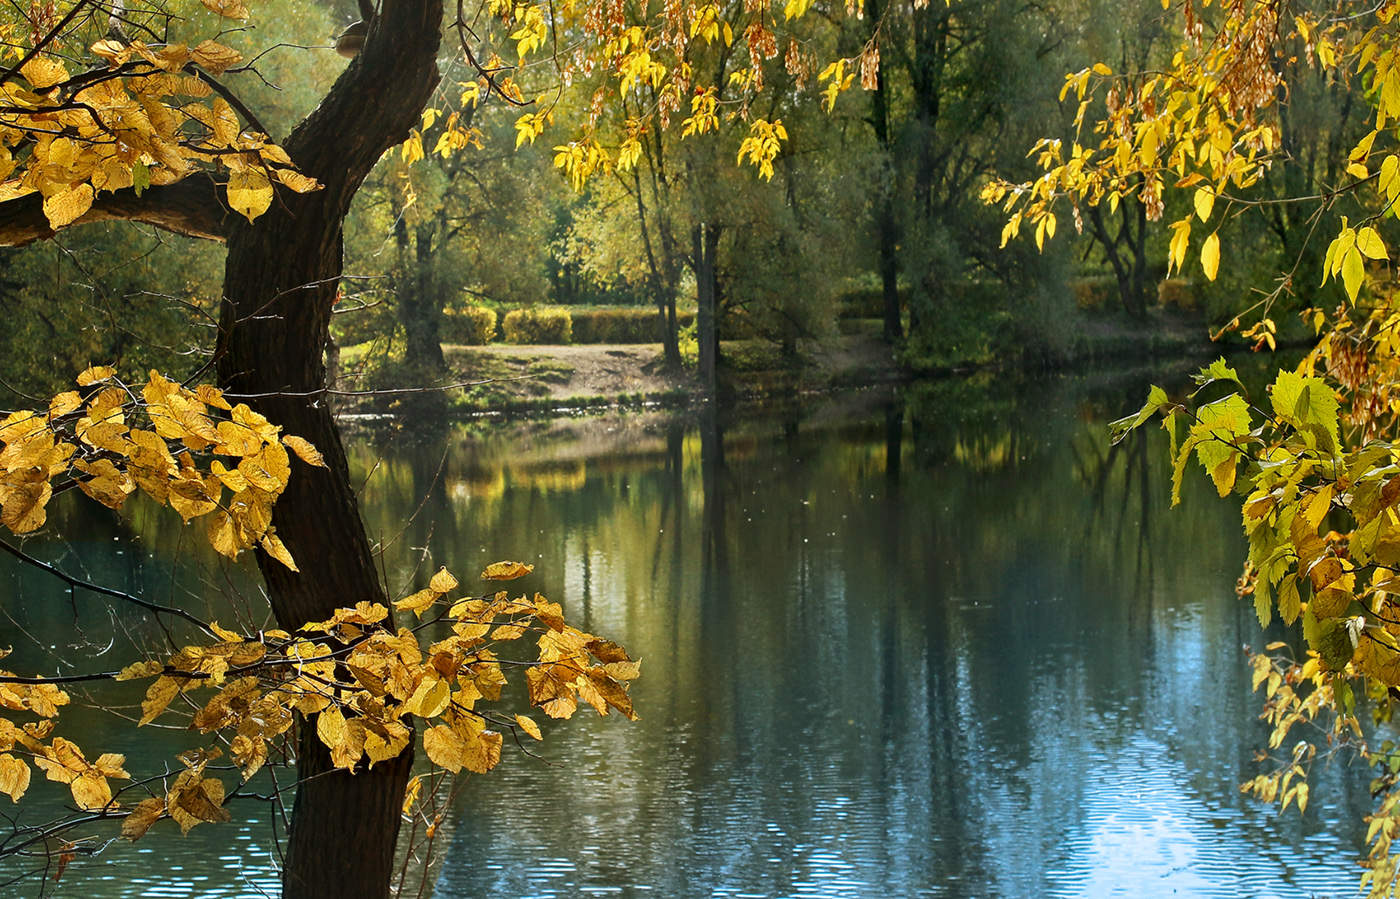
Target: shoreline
506,380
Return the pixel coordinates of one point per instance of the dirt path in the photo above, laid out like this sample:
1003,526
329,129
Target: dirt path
563,372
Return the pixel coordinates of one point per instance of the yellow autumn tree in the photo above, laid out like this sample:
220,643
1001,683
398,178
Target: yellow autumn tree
1313,462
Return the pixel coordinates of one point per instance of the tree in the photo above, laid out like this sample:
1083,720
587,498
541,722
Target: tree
1313,459
133,140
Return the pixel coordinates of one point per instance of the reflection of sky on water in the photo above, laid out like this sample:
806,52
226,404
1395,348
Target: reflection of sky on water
968,684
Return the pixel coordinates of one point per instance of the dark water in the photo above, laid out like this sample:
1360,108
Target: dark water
949,646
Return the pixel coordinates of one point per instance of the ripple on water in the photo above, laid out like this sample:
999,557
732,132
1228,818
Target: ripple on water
1142,834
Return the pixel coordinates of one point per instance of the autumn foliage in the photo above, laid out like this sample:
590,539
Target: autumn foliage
1312,459
364,684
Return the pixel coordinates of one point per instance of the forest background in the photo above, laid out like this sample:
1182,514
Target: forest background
870,222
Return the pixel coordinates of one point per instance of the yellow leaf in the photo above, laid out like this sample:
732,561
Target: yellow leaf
529,726
94,374
225,123
67,206
223,534
91,791
249,193
109,764
430,699
623,670
23,506
1181,238
508,632
412,149
139,669
200,801
278,550
417,603
1204,201
158,696
44,72
483,752
1370,243
64,403
444,747
506,571
108,484
1353,272
442,582
146,813
415,787
230,9
191,496
296,180
215,56
330,727
14,776
1210,256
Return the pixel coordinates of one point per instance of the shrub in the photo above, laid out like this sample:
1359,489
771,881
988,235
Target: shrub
622,325
1093,293
470,325
538,324
1178,293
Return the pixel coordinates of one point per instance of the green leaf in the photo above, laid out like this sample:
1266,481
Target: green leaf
1307,404
1289,603
1263,604
1216,371
1370,243
1179,468
1156,399
1329,637
1219,425
140,177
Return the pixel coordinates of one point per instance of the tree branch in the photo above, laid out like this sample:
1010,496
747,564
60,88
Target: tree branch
81,584
193,207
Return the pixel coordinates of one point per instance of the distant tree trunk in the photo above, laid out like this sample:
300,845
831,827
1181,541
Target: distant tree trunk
1126,252
662,287
886,225
706,244
418,305
281,278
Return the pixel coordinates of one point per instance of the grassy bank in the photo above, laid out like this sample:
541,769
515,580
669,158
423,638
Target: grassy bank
546,379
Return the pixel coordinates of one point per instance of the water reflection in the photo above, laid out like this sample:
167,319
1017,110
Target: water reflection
942,644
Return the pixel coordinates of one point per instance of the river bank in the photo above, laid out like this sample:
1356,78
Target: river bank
545,379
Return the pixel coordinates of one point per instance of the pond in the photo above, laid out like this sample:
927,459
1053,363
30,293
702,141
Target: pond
944,643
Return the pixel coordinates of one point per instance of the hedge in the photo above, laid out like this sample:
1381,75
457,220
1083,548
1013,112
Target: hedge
1178,293
539,324
622,325
472,325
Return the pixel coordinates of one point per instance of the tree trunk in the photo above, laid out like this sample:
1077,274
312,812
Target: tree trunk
281,277
706,244
419,306
886,226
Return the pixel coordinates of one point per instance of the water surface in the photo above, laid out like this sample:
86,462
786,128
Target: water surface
943,644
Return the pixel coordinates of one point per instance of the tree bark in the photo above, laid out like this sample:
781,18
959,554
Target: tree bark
419,305
281,277
194,207
706,244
